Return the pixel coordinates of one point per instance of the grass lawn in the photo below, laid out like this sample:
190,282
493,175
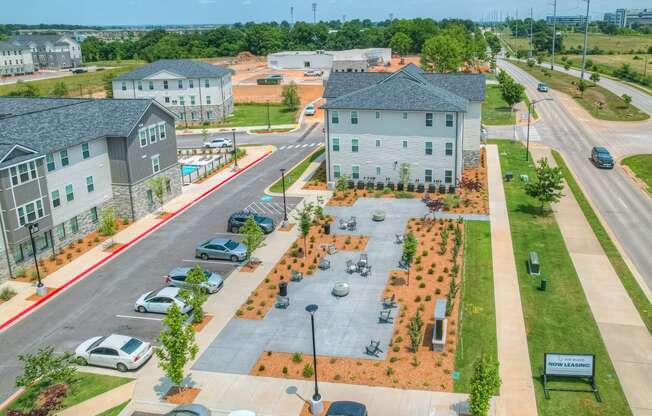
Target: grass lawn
115,411
617,44
79,85
626,277
117,62
87,385
608,63
292,176
614,109
253,114
478,313
495,111
641,165
559,319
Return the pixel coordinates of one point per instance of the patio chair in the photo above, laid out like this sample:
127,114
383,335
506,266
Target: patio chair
363,261
350,267
385,317
365,271
373,348
324,264
297,276
352,224
402,264
344,224
389,303
282,302
399,238
331,249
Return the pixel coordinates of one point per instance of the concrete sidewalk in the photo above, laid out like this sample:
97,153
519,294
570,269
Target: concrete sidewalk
628,341
517,391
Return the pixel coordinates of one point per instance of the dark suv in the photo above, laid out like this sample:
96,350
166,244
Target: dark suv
602,158
238,219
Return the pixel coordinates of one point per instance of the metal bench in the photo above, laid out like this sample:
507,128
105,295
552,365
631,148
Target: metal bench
533,265
373,348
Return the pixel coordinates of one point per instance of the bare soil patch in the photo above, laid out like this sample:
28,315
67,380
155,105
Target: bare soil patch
35,297
181,395
289,227
201,325
114,247
305,410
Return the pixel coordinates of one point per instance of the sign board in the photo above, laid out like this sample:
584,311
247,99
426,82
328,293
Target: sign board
569,365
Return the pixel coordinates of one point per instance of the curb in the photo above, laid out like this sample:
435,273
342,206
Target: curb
12,320
267,190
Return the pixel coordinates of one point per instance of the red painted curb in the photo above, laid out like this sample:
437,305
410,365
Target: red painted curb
134,240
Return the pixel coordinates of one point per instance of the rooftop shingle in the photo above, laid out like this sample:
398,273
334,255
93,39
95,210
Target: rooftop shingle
187,68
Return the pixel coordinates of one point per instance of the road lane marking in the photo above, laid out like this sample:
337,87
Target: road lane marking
211,261
139,317
623,203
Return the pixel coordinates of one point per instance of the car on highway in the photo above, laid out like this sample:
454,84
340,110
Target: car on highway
79,70
192,409
601,157
346,408
177,278
542,87
313,73
221,249
310,110
114,351
238,219
159,301
218,143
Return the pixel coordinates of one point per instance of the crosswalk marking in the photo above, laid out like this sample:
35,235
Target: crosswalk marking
299,146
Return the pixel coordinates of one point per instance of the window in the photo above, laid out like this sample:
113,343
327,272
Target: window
355,172
182,100
151,85
180,84
182,115
156,163
30,212
208,99
64,158
336,144
90,186
74,225
193,115
377,170
428,148
49,161
124,86
354,117
162,134
404,144
150,198
23,173
207,83
428,176
168,185
210,115
192,100
448,176
377,142
337,171
404,115
449,149
70,195
191,83
56,199
167,100
428,119
152,134
140,86
335,117
449,120
61,231
165,84
86,153
355,145
142,136
377,115
93,213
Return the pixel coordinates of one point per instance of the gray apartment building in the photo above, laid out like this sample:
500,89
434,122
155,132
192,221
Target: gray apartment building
15,59
63,160
51,51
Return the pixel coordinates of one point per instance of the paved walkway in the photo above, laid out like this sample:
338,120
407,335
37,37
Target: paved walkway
517,391
628,341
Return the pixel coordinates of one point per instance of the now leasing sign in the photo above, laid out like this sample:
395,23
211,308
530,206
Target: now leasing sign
569,365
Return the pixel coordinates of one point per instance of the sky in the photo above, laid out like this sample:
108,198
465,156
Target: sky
161,12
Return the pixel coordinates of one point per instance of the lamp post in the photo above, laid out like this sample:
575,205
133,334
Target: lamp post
529,116
269,120
185,116
32,227
235,151
285,210
316,404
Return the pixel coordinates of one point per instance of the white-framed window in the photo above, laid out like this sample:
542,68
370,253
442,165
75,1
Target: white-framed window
193,115
140,85
151,85
86,152
428,176
74,225
61,231
335,117
22,173
377,115
449,120
30,212
142,137
180,84
337,171
165,84
192,100
56,199
191,83
167,100
63,154
156,163
404,144
428,119
182,100
210,115
93,212
162,133
90,186
448,176
336,144
428,148
124,86
152,134
355,172
378,143
404,115
378,170
207,83
354,117
449,149
70,194
355,145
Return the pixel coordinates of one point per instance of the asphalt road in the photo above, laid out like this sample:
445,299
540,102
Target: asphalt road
102,303
627,210
310,131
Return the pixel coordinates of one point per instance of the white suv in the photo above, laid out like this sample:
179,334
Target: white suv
218,143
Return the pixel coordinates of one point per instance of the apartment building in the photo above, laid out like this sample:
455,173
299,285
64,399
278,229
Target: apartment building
15,59
376,122
63,160
194,91
52,51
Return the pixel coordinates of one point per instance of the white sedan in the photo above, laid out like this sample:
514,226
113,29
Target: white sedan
114,351
310,110
159,301
218,143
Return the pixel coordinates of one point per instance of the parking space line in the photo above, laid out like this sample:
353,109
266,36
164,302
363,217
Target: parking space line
211,262
278,209
139,317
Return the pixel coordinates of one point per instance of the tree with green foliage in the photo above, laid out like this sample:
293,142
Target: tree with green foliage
157,185
290,95
108,222
404,173
195,294
46,368
442,53
24,89
512,92
567,65
342,183
493,42
304,217
627,99
595,77
400,44
59,90
177,345
484,384
548,185
107,84
414,331
409,251
253,235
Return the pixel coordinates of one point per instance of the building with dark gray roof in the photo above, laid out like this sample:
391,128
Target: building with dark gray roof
64,160
51,51
380,124
195,91
15,59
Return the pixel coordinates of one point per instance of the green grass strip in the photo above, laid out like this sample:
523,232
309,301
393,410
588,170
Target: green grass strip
292,176
641,165
115,411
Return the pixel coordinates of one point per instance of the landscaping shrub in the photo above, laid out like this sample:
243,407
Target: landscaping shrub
308,371
7,293
297,357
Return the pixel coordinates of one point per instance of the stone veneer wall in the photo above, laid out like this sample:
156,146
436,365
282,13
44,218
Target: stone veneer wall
215,108
471,158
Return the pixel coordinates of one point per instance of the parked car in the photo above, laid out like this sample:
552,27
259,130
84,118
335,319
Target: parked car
159,301
602,158
189,410
79,70
313,73
345,408
310,110
177,278
218,143
114,351
237,220
542,87
221,249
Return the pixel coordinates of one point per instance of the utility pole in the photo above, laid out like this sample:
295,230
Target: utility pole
554,33
531,28
314,13
586,38
291,15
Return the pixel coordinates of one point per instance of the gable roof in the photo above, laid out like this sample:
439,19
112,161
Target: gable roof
187,68
38,39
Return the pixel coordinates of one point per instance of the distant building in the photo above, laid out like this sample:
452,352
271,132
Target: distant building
51,51
579,20
193,90
352,60
629,17
15,59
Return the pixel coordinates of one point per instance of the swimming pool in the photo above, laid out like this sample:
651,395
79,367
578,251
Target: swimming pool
188,169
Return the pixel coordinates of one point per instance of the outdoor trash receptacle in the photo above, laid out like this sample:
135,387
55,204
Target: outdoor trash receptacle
509,176
543,284
327,228
283,289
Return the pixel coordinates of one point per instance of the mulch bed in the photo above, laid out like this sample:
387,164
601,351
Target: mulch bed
305,410
289,227
162,215
250,267
113,248
201,325
181,395
35,297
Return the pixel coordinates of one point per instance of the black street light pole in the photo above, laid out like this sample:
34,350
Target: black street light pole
32,227
269,121
285,210
316,404
235,151
529,116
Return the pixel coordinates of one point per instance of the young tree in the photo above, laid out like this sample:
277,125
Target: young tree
548,186
290,97
59,90
442,53
484,384
567,65
304,217
178,345
409,251
414,331
196,295
404,173
46,368
157,186
512,92
253,235
342,183
627,99
107,221
24,89
595,77
582,86
400,44
204,135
